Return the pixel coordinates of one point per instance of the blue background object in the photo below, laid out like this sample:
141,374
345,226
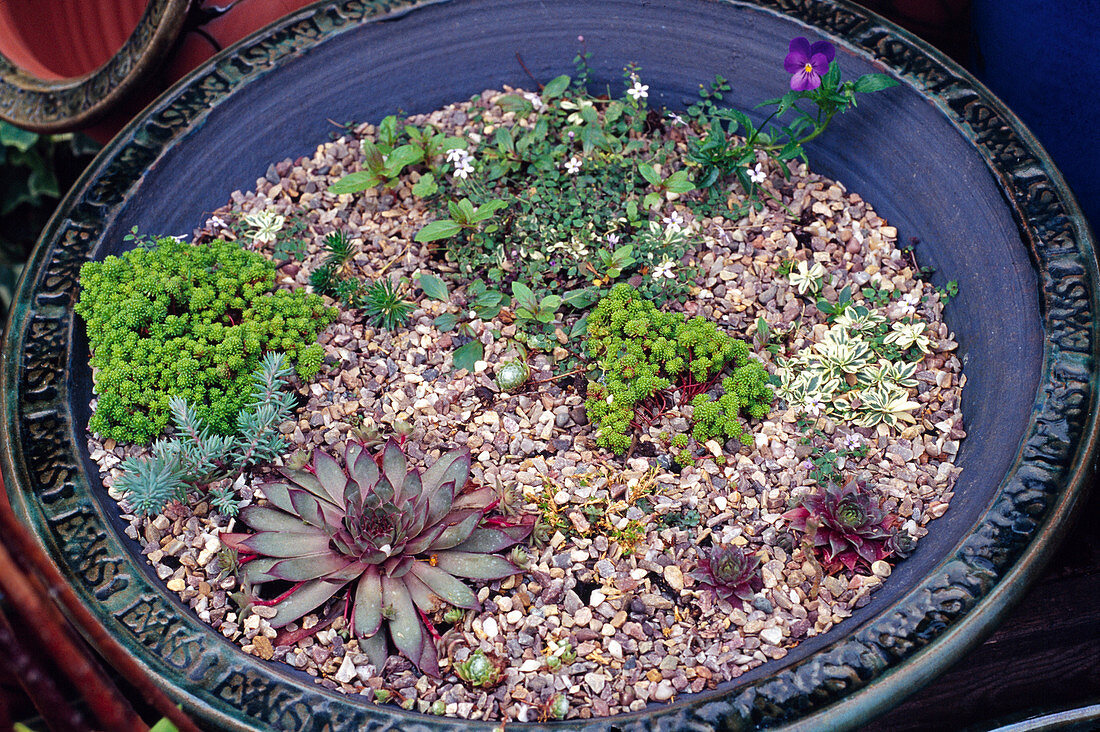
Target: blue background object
1042,57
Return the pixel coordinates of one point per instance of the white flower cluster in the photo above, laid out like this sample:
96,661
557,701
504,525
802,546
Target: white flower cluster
462,161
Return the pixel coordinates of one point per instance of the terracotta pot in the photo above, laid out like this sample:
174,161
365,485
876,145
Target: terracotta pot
938,156
93,65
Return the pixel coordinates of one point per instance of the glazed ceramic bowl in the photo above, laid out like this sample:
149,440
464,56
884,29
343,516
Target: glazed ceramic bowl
937,156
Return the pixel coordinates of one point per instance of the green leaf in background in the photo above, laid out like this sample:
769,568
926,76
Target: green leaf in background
443,229
354,182
164,725
446,322
466,356
433,287
426,186
12,136
874,82
555,87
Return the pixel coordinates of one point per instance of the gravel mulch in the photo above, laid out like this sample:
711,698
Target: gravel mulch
610,591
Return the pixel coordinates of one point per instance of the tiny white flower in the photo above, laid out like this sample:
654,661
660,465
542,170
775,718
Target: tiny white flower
757,174
457,154
674,222
639,91
573,166
613,239
463,168
852,441
217,222
676,119
664,269
535,99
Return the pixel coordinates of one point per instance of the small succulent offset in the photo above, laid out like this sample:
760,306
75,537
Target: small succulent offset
512,375
729,572
481,670
852,529
403,539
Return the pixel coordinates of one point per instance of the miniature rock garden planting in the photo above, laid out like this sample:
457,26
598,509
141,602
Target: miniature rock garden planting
548,404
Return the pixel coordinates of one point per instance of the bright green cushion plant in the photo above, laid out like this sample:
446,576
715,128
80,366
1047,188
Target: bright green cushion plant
193,321
643,351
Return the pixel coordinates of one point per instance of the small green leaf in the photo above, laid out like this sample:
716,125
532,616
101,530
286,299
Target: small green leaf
486,210
550,302
874,83
524,297
163,725
426,186
443,229
401,157
555,88
679,182
12,136
649,173
446,322
515,103
579,328
651,200
466,356
433,287
582,298
504,140
354,182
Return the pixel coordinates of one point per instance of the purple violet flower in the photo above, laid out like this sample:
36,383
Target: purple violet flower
808,63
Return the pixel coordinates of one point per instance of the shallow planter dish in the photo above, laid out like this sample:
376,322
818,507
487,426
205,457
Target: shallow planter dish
940,158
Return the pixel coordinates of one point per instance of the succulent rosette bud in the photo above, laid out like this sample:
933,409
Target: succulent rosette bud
404,541
729,572
851,527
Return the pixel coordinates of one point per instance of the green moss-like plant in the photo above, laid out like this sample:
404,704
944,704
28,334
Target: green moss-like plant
746,390
642,350
191,321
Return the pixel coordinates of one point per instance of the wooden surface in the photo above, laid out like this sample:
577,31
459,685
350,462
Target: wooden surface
1045,655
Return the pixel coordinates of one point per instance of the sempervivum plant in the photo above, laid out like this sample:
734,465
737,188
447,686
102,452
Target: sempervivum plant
847,524
400,538
729,572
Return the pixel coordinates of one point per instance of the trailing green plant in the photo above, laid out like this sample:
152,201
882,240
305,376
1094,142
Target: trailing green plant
861,370
641,351
191,321
817,95
403,539
850,528
196,456
384,306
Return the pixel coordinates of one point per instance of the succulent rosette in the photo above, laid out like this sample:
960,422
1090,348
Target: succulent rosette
404,541
729,572
851,527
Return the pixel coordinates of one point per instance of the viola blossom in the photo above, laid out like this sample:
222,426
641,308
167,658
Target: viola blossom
572,166
676,120
757,174
216,222
639,91
808,63
613,239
